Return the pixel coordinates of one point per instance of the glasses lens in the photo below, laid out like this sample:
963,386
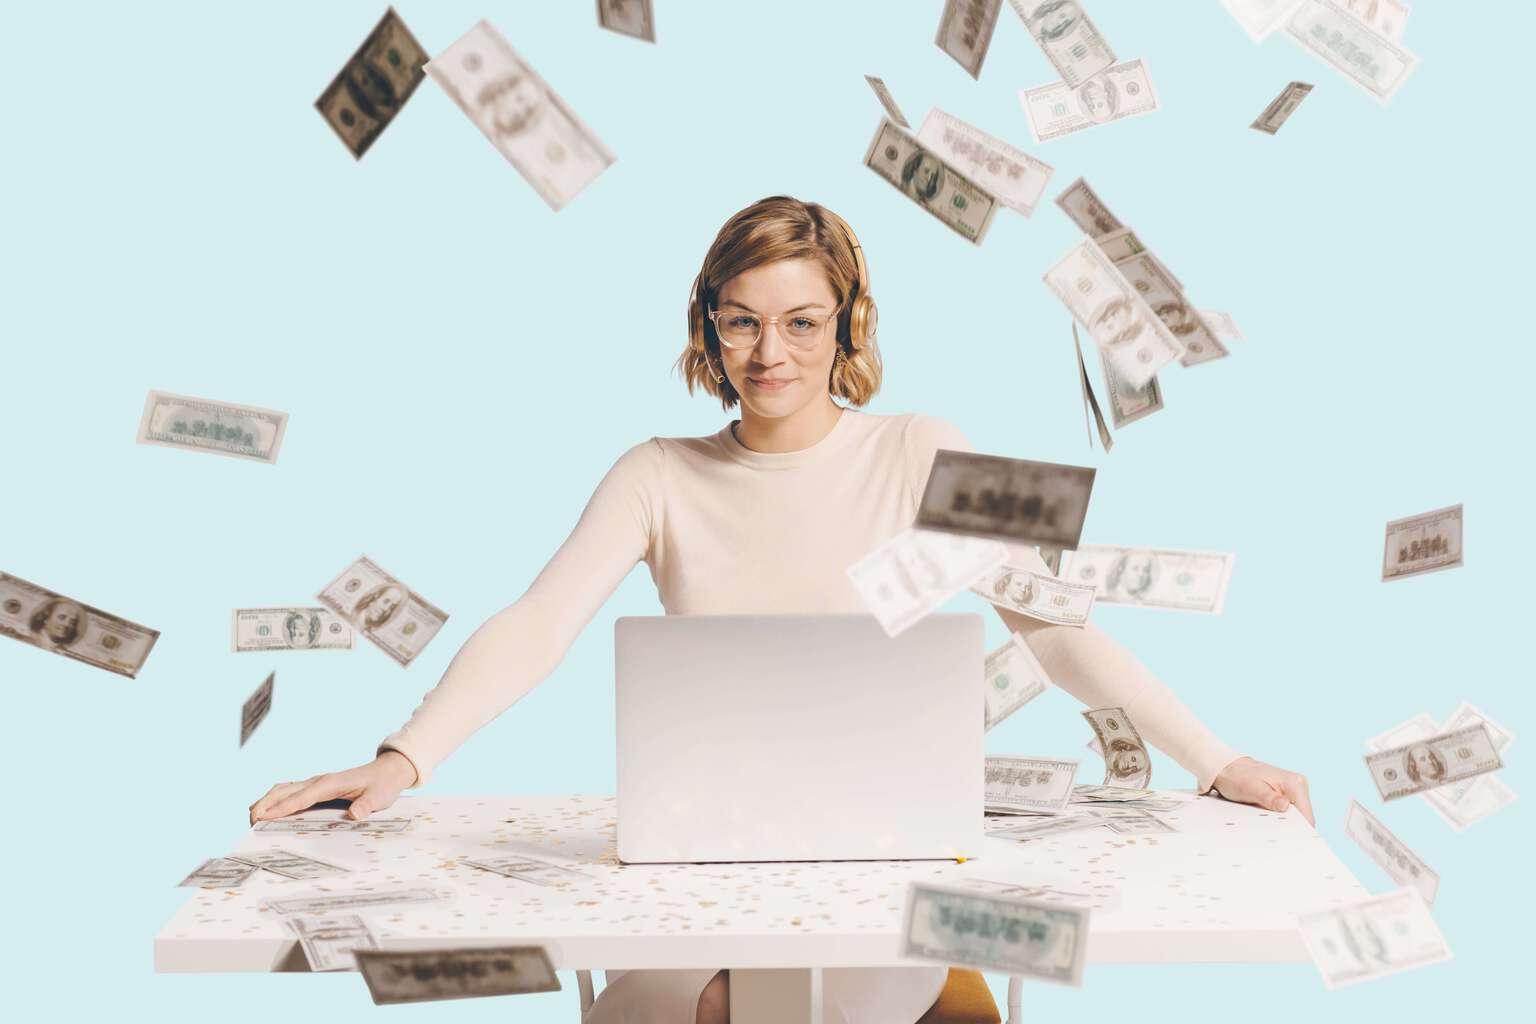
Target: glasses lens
741,330
737,330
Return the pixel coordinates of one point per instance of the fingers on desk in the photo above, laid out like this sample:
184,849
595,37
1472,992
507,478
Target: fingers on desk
283,798
1296,790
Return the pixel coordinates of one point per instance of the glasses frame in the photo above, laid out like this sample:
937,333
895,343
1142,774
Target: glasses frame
762,328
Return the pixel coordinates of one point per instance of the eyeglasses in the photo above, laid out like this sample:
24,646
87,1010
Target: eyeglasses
741,330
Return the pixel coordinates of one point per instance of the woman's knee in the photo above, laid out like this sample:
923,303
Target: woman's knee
715,1000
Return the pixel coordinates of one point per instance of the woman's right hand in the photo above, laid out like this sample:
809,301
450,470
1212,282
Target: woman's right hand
370,787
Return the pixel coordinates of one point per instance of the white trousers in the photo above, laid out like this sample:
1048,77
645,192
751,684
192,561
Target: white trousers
849,995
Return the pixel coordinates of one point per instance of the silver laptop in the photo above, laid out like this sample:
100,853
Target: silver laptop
798,737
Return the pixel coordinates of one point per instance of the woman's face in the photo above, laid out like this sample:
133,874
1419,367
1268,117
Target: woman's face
773,379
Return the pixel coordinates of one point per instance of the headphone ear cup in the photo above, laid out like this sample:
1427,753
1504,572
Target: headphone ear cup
861,322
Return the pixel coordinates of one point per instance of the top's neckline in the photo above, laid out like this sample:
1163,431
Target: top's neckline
829,443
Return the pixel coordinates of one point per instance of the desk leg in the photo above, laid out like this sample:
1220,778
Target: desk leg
776,996
1015,997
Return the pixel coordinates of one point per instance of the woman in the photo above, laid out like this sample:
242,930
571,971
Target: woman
762,517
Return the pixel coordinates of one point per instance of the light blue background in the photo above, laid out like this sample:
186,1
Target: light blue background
462,366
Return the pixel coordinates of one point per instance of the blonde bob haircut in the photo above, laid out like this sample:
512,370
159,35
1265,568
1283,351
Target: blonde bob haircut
783,228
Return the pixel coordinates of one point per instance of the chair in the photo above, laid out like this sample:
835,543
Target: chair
965,999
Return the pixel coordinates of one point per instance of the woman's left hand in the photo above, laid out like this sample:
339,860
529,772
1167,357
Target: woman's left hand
1247,781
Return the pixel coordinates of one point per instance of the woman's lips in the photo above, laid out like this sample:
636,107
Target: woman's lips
770,385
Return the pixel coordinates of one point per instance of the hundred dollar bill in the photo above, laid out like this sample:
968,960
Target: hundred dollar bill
952,925
1423,543
1085,794
916,571
1041,503
1373,938
397,619
1128,404
289,865
1124,243
1090,405
1281,107
1260,17
373,86
1126,762
887,100
1161,293
1433,762
965,31
527,869
289,629
1037,595
1014,178
628,17
200,424
219,873
1056,109
919,174
59,625
1389,852
254,711
1042,828
293,824
1131,821
329,942
1084,208
1364,56
1220,324
335,902
1185,581
1389,17
1028,785
1099,297
520,114
1067,38
1462,803
1014,678
423,975
1464,717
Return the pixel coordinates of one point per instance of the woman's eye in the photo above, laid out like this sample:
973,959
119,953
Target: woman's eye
802,324
740,323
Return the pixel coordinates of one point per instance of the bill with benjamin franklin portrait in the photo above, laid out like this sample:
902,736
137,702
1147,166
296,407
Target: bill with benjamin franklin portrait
55,623
389,613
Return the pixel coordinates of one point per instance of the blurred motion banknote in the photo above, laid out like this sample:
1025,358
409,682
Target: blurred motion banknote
917,570
219,873
1373,938
1037,503
1183,581
1126,762
923,177
887,100
965,31
1433,762
254,711
628,17
1281,108
520,114
1390,853
1160,291
329,942
1033,938
370,89
289,629
1014,178
422,975
1014,677
1027,785
397,619
1427,542
1472,799
1120,91
323,903
1037,595
1351,46
1127,403
298,824
203,425
1260,17
289,865
1084,208
1067,38
1389,17
55,623
1124,327
539,872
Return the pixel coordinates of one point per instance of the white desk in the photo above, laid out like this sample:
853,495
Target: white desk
1223,889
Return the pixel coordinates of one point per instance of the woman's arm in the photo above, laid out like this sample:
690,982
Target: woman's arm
516,648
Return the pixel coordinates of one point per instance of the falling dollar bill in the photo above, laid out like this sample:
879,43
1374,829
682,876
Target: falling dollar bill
1014,677
1014,178
1389,17
1123,326
334,902
1281,107
219,873
887,100
526,869
1084,208
1220,324
1260,17
1126,761
1423,543
965,31
1390,853
289,865
1027,785
1470,800
1036,939
1018,500
76,630
1363,55
1037,595
200,424
1067,38
254,711
1128,404
1433,762
373,86
1185,581
1160,291
329,942
377,826
1120,91
520,114
628,17
398,620
290,629
916,571
919,174
1373,938
423,975
1090,406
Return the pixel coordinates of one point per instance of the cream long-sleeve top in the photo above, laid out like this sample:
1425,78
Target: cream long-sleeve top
725,529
